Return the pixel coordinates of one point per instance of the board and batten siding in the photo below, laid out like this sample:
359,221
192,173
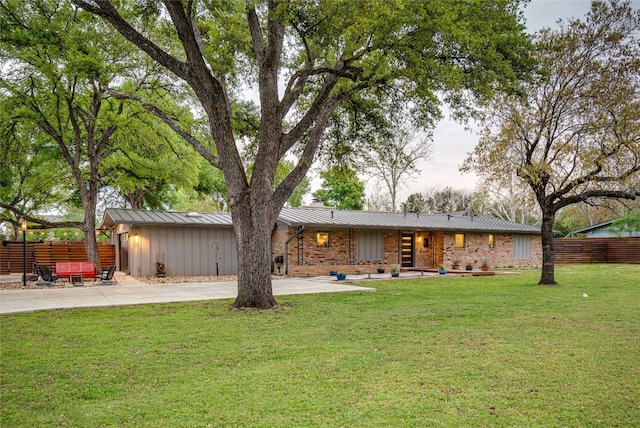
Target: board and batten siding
370,245
184,251
521,247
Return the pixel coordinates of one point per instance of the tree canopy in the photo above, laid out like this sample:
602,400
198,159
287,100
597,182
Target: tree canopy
59,64
67,129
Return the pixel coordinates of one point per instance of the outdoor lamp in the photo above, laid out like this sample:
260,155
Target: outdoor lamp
23,227
136,237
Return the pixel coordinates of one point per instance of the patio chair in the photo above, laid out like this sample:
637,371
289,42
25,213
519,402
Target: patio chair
106,276
45,276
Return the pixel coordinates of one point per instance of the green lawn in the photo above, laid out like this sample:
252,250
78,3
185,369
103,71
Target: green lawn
481,351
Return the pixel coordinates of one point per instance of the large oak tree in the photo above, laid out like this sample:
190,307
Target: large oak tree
54,83
305,58
575,137
62,70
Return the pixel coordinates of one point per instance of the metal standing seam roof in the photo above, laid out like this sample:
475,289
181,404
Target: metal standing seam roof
322,217
597,226
113,216
311,217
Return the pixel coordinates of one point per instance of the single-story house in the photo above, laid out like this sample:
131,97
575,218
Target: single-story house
314,241
597,231
601,230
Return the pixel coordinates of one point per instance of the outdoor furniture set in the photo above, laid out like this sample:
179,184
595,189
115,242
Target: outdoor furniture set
75,273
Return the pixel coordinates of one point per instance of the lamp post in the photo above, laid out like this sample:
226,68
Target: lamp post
23,226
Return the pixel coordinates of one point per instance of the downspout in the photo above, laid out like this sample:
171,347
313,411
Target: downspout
286,249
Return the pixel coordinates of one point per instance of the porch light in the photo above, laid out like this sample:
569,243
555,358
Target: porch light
136,237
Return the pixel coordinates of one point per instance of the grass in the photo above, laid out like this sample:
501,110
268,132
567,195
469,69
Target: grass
483,351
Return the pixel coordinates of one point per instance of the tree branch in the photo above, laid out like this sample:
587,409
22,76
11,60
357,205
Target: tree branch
597,193
256,34
199,147
294,178
44,224
105,9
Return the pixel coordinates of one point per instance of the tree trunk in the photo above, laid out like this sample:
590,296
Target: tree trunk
253,225
90,241
548,269
89,229
135,199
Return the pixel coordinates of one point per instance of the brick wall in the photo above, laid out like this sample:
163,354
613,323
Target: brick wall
477,250
427,256
440,249
320,260
278,240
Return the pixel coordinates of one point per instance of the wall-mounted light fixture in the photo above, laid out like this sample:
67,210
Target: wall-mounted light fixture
136,236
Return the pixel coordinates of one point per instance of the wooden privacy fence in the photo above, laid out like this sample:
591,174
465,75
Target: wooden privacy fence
48,254
11,257
596,250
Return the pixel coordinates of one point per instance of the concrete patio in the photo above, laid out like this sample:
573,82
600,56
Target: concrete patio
129,291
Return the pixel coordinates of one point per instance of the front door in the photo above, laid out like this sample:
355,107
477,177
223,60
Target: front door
407,249
123,240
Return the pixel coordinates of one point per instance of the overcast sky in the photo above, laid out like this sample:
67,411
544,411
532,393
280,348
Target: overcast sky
451,142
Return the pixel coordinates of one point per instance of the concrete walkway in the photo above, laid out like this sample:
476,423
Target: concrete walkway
131,292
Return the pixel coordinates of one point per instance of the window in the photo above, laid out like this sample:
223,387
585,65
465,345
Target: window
459,240
492,241
323,239
370,245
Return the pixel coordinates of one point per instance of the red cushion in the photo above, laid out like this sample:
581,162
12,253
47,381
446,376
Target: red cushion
86,269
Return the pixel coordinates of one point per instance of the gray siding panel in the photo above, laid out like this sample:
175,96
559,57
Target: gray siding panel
221,248
185,251
169,245
202,255
521,247
370,245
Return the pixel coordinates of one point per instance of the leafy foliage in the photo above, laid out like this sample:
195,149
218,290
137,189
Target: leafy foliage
341,188
435,200
627,225
61,107
32,177
56,87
